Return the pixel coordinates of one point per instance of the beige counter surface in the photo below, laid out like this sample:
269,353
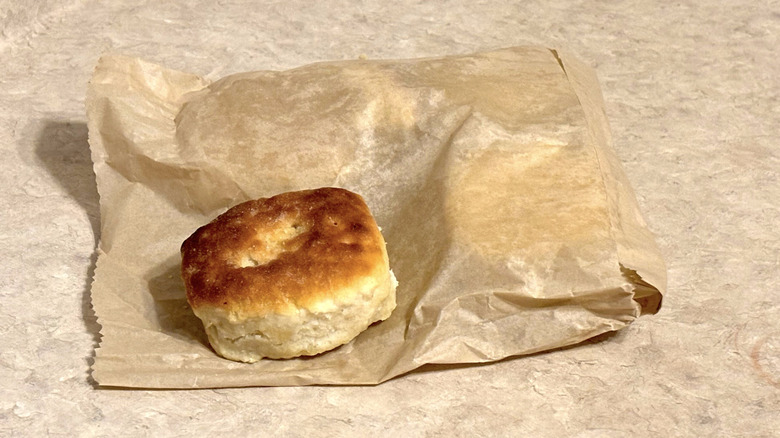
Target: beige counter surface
692,97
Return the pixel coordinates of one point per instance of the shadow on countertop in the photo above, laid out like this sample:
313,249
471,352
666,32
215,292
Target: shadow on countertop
63,149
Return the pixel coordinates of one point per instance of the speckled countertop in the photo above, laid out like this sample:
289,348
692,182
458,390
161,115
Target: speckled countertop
692,96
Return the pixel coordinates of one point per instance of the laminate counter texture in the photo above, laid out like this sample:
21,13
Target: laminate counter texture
691,90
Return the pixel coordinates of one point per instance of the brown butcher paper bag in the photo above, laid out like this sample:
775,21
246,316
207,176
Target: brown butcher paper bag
509,222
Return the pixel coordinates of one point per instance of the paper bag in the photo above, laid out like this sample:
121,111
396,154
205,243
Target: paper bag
509,222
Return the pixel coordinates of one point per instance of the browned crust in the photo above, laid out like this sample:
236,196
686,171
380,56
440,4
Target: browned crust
340,244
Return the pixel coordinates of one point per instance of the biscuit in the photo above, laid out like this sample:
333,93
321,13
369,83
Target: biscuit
295,274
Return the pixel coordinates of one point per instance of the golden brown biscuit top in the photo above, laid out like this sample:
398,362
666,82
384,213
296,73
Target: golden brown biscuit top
293,250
